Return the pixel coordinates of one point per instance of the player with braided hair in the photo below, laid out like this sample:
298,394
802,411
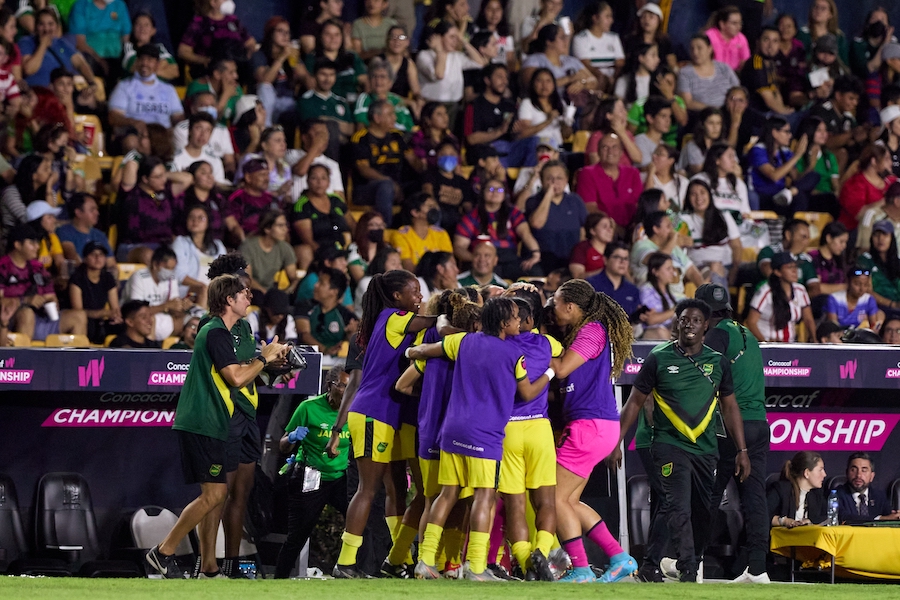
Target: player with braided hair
598,340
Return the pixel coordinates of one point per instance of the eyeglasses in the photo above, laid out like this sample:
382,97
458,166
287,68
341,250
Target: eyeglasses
498,190
399,38
618,257
861,272
246,291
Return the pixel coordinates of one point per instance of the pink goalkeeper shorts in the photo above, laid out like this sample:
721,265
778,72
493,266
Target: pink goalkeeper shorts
584,443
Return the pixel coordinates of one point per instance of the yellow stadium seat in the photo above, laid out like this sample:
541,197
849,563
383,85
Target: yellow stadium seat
817,222
281,280
467,171
67,340
749,254
580,141
762,215
512,173
96,145
689,289
182,91
169,342
18,340
113,236
109,340
126,270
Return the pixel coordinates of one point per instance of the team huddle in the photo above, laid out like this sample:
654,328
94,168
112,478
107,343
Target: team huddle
458,393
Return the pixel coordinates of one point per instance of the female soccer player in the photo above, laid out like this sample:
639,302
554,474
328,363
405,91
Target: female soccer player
597,342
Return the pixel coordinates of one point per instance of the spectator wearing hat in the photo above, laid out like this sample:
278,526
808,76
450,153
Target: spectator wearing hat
829,332
188,333
855,307
138,327
223,82
780,303
42,217
890,135
94,290
268,252
24,279
158,285
250,201
325,256
273,318
328,324
82,228
484,261
220,143
142,98
825,60
200,129
885,210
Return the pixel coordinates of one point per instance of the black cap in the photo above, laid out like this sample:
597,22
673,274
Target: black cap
826,328
20,233
781,259
92,246
714,295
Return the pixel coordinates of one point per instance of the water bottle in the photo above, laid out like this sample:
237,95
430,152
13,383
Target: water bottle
832,508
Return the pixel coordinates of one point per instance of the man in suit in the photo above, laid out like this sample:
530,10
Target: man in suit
858,502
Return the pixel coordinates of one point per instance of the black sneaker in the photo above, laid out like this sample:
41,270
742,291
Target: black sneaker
165,565
649,573
395,571
689,575
500,572
541,566
349,572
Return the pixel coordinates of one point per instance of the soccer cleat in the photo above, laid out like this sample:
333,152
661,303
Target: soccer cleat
689,575
165,565
747,577
619,570
217,575
349,572
541,566
485,575
579,575
559,562
424,571
649,573
395,571
500,572
452,571
668,568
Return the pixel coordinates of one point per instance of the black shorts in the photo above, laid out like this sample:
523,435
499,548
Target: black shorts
244,443
202,458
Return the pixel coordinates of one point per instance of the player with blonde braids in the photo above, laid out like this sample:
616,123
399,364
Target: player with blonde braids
597,341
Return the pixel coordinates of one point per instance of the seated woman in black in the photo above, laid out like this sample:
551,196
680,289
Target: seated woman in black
798,498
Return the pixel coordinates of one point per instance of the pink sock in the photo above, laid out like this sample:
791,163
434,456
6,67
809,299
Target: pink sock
497,533
575,550
600,535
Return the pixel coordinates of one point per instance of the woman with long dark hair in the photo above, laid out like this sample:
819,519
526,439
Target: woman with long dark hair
890,137
204,192
611,116
798,497
715,235
707,132
405,73
318,217
29,184
772,163
492,17
830,259
867,186
724,32
195,251
884,264
368,240
277,69
268,252
595,45
351,70
434,131
704,83
551,51
656,295
438,270
663,176
780,303
541,112
721,171
648,29
640,68
819,159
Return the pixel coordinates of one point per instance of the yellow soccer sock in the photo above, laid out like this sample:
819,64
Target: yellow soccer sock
392,524
428,547
406,535
522,552
477,552
556,543
543,541
453,541
349,548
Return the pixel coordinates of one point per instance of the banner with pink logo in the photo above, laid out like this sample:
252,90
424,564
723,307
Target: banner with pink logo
826,432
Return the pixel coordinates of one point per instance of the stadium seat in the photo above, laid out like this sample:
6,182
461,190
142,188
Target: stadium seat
67,340
638,494
149,524
894,492
66,528
109,340
113,236
771,478
512,173
832,483
94,139
14,557
19,340
763,215
169,342
126,270
580,141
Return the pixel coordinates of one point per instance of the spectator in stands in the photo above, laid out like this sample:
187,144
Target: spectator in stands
81,230
740,122
200,129
405,74
100,29
220,144
822,20
704,83
867,186
146,207
819,159
528,183
722,171
824,59
273,150
326,10
640,67
495,220
142,98
452,191
846,139
795,240
206,193
661,237
865,50
368,241
441,66
318,218
609,187
707,132
596,46
492,17
780,303
433,133
247,205
798,498
662,176
221,81
556,218
830,261
587,257
422,234
612,279
662,84
277,70
890,137
612,117
855,307
648,29
760,76
379,152
656,295
487,165
331,257
386,259
188,334
249,121
321,102
138,327
268,252
95,290
328,324
369,32
888,210
883,263
858,501
540,114
652,201
715,235
47,50
791,62
351,70
890,331
10,95
273,318
195,251
380,79
9,32
42,217
437,271
728,44
829,332
551,51
143,31
314,141
658,113
550,13
484,261
33,181
53,142
212,33
771,163
158,285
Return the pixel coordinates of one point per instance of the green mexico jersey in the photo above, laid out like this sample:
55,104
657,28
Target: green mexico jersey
745,357
318,415
685,395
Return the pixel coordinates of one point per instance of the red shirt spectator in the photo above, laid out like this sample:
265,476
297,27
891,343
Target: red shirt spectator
867,186
617,196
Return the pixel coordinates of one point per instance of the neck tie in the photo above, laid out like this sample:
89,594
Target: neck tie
863,507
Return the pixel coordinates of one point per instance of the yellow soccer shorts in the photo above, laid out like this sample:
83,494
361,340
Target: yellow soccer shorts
529,456
467,471
404,443
431,488
372,438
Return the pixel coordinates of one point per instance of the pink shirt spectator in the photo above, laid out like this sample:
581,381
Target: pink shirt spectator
590,341
594,141
733,52
616,198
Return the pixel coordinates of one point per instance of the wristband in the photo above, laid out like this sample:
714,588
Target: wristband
263,360
742,450
550,373
336,429
406,352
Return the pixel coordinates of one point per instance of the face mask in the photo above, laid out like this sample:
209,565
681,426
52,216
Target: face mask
227,7
433,216
376,236
150,79
166,274
211,110
447,163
